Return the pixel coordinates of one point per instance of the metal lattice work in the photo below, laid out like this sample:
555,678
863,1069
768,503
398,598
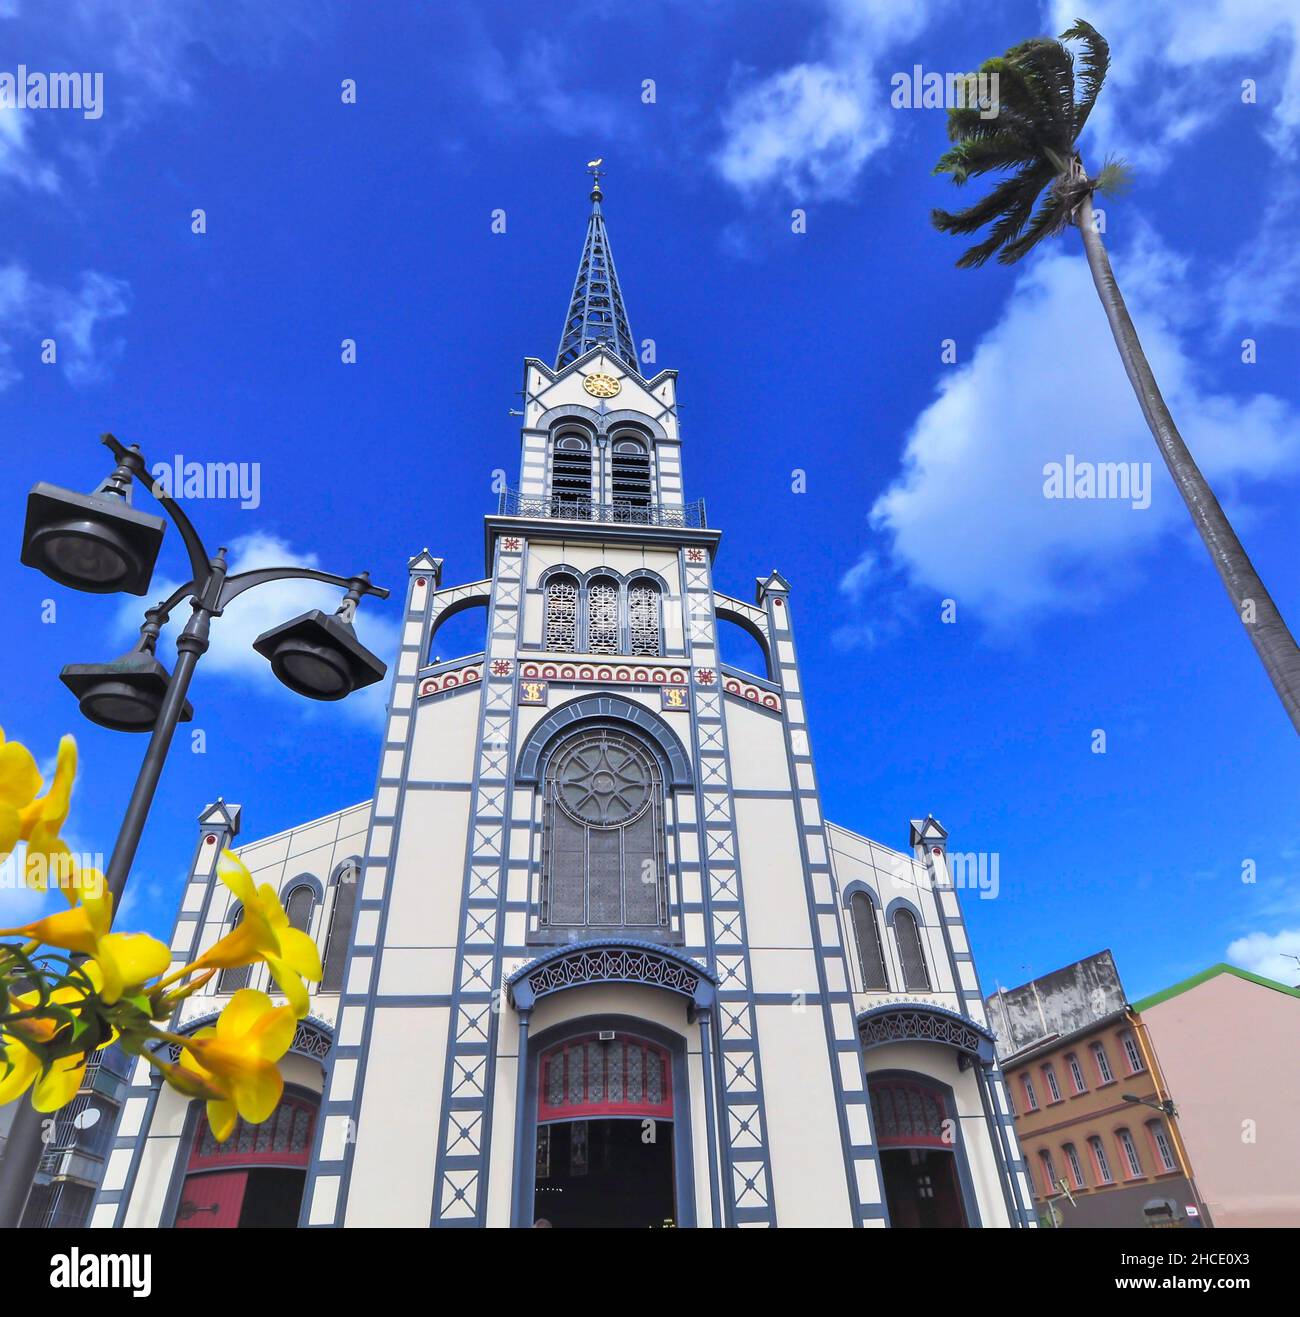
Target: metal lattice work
602,617
916,977
643,618
561,628
596,316
683,515
610,964
309,1039
899,1024
603,834
908,1115
866,932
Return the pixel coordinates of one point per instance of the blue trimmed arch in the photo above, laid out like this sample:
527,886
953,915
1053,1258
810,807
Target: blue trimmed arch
603,708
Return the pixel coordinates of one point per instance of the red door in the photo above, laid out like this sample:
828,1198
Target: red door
212,1201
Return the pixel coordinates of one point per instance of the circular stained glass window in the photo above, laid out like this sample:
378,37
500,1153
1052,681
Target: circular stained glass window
604,780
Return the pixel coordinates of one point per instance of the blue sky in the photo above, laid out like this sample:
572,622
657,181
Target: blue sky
816,351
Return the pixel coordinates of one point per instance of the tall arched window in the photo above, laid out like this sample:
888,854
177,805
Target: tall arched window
630,464
643,625
571,476
299,907
231,980
603,862
602,616
916,977
560,627
336,948
870,956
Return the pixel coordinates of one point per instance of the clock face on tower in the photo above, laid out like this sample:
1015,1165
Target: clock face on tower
601,386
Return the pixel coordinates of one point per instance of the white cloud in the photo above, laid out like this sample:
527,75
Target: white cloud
1177,66
1271,954
18,159
811,127
231,652
31,311
967,517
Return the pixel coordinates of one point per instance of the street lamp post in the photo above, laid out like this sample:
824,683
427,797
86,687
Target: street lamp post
100,543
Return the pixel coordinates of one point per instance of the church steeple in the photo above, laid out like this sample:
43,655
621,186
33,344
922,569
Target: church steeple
597,317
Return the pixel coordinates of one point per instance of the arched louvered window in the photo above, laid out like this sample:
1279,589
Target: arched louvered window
571,476
630,468
865,932
340,935
916,977
299,907
643,618
560,627
231,980
602,616
603,862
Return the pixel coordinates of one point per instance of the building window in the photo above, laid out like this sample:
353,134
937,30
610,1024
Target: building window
866,934
1076,1169
610,1077
1160,1142
602,616
298,907
603,835
1031,1098
236,977
916,978
571,476
1132,1163
630,468
1049,1077
1104,1073
1076,1073
1131,1053
643,624
909,1115
1049,1172
1099,1162
560,626
340,934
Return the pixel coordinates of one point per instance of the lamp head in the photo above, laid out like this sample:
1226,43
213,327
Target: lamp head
95,542
319,655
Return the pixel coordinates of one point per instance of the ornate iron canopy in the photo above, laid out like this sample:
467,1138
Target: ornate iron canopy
923,1022
312,1038
611,961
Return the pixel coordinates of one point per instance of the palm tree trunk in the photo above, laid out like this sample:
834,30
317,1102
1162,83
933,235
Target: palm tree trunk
1255,607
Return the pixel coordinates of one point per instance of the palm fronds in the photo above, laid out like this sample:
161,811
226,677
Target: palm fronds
1044,98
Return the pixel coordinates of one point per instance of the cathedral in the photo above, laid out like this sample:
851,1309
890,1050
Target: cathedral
593,956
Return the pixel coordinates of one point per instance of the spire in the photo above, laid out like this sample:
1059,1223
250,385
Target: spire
596,316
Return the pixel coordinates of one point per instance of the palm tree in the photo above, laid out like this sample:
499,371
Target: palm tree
1043,102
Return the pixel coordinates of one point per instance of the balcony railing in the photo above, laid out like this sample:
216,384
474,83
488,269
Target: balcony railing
687,515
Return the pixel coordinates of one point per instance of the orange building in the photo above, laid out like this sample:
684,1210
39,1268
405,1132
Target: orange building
1093,1113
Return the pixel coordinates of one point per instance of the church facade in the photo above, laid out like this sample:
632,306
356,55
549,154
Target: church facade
593,956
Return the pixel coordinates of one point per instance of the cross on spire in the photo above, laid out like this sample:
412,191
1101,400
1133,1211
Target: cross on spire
597,317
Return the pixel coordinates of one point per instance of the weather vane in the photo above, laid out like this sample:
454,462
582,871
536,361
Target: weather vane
595,170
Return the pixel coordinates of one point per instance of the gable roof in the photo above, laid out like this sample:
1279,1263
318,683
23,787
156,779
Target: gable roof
1204,976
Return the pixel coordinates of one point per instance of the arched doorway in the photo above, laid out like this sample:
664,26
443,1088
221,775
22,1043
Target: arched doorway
605,1134
256,1177
917,1138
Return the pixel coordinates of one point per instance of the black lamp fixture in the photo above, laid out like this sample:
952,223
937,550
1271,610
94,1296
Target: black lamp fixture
318,655
125,695
95,542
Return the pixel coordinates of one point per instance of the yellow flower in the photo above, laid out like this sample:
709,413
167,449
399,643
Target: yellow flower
237,1058
20,1066
43,819
125,960
264,933
20,780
